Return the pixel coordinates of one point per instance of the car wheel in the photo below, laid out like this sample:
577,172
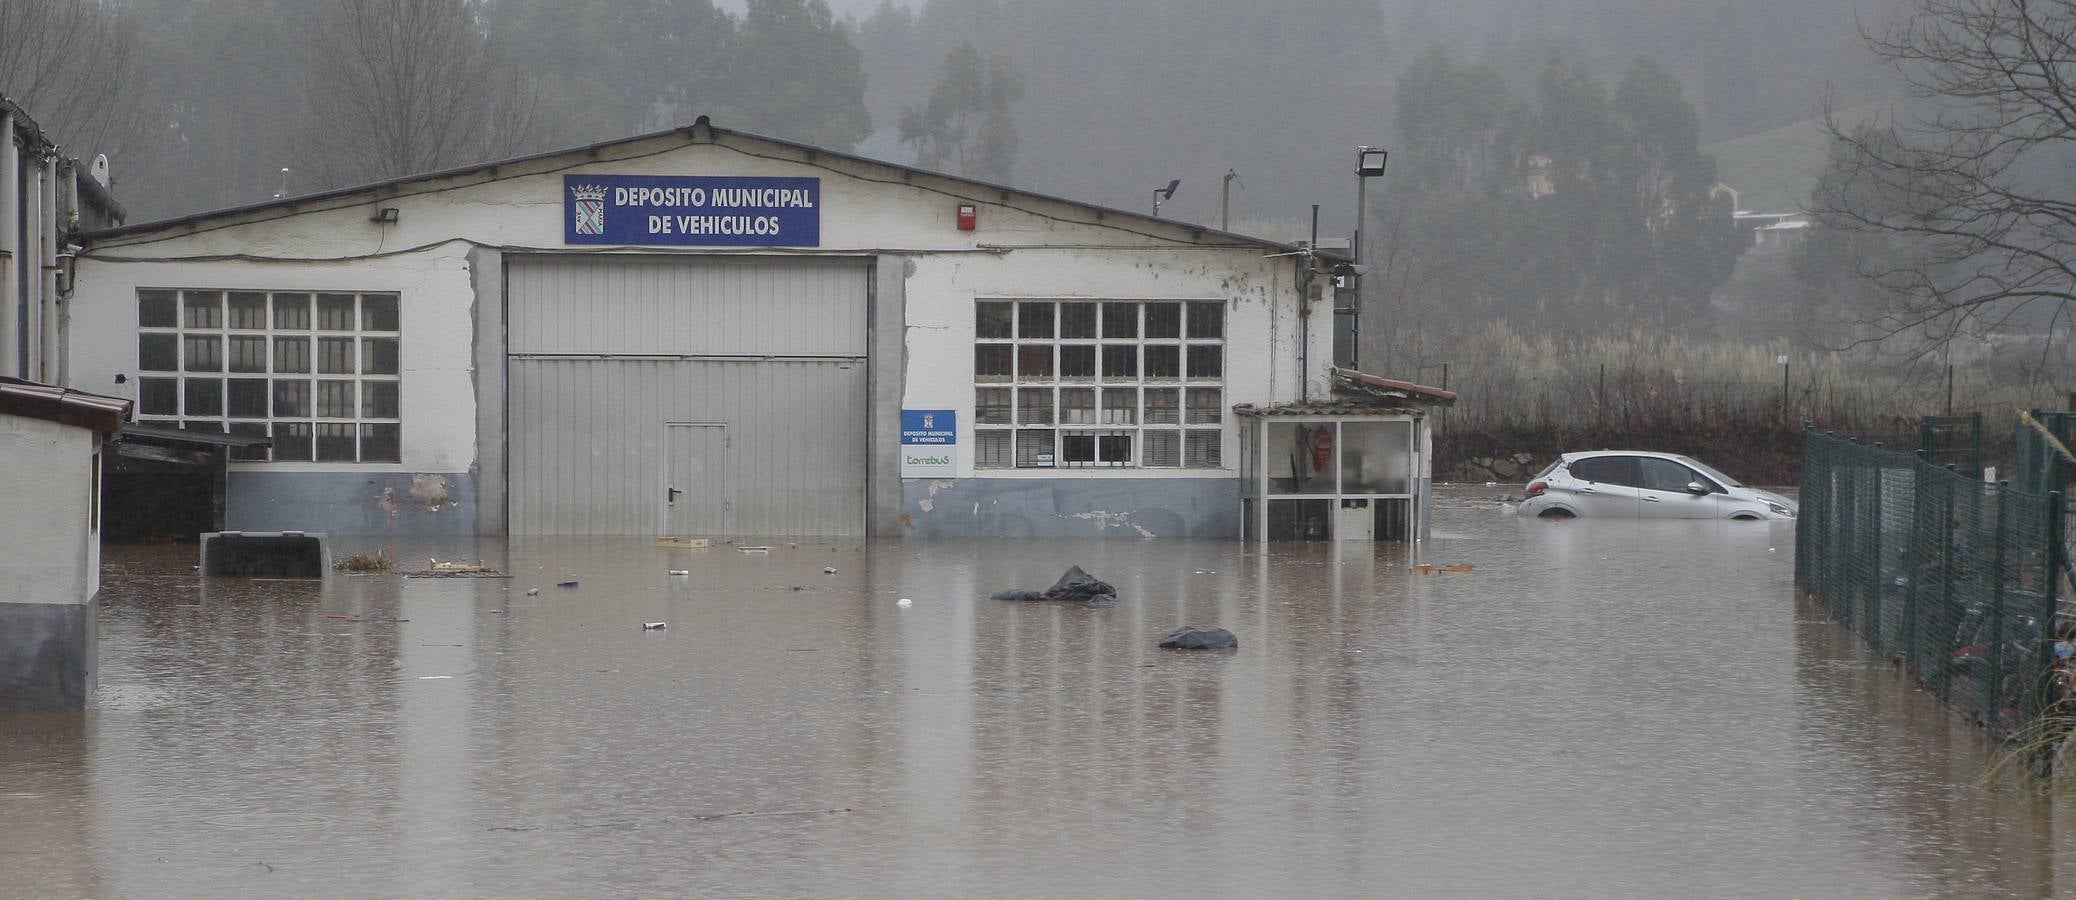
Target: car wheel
1744,518
1554,513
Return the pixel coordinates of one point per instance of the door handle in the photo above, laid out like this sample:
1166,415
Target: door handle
671,495
1587,490
1650,499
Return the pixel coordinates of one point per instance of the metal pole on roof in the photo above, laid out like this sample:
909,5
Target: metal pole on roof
1369,163
1362,214
1225,191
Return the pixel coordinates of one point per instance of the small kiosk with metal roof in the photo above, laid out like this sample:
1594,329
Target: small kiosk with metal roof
1356,467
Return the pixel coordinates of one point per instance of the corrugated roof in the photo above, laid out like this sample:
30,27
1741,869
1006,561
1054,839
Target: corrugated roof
1377,385
184,436
26,129
62,405
700,131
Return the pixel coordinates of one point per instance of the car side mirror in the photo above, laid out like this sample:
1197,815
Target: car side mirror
1696,487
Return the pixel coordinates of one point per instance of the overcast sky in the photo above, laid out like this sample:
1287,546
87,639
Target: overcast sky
842,8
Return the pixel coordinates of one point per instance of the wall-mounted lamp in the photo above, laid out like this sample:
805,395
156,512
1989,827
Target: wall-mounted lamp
386,215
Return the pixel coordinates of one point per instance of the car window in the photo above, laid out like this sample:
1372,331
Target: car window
1606,470
1713,473
1666,475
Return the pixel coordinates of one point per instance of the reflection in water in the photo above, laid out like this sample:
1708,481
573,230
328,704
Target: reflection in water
1599,708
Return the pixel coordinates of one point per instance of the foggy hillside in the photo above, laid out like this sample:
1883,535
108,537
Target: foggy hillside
1561,166
1117,98
1122,97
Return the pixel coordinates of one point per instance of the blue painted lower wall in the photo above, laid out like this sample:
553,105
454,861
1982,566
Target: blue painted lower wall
352,502
1092,506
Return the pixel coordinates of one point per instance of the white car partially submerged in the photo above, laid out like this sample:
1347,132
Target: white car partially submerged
1647,485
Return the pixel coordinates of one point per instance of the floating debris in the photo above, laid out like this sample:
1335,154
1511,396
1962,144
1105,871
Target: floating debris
904,603
533,592
1200,637
828,570
655,626
377,561
1075,585
681,571
566,584
685,543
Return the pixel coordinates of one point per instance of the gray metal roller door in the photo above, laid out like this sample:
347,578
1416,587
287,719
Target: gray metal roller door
741,382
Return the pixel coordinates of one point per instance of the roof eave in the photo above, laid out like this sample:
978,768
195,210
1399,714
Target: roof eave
64,406
701,131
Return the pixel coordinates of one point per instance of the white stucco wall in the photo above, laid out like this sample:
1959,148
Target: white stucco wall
1023,247
51,554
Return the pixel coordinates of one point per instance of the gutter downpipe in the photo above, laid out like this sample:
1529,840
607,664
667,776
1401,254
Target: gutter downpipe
1305,277
1304,285
68,225
47,269
13,315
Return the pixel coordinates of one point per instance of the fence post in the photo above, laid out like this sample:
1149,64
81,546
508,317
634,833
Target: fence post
1809,511
1913,559
2044,695
1876,580
1946,583
1993,649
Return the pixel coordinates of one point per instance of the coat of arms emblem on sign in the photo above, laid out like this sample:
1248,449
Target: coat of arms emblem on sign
590,208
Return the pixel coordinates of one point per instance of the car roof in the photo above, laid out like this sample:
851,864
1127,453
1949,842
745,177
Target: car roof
1590,454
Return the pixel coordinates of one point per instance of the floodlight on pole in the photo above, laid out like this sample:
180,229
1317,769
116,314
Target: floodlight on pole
1369,163
1166,193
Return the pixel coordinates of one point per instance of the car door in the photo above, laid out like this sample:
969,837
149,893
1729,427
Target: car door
1605,486
1663,491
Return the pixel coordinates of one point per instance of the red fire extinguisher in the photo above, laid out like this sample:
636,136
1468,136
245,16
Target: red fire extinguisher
1322,447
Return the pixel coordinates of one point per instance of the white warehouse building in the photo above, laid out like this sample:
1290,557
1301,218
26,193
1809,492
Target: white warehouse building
703,332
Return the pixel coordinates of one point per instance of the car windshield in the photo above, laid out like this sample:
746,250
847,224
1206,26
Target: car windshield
1704,469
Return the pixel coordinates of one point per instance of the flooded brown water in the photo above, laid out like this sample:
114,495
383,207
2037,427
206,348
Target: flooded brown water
1598,709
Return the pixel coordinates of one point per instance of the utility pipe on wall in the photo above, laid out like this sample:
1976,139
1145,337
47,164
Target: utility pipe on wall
68,225
47,268
11,311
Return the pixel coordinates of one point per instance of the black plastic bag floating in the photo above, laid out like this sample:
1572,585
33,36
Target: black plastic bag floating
1079,585
1075,585
1198,637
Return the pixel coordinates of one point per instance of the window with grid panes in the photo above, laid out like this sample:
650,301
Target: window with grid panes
1098,383
318,373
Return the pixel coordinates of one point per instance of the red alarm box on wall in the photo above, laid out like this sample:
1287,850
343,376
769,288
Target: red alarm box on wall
968,215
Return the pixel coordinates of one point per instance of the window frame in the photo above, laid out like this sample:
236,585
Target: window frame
1107,436
288,401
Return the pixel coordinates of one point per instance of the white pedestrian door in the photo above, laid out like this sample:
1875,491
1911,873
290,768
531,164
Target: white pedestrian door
695,495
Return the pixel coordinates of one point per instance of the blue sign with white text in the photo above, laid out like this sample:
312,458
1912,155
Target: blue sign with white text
929,426
692,211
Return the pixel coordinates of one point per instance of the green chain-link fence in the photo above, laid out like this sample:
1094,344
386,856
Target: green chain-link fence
1952,578
2041,447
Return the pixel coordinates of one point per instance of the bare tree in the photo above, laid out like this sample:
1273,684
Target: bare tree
398,87
71,63
1961,213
